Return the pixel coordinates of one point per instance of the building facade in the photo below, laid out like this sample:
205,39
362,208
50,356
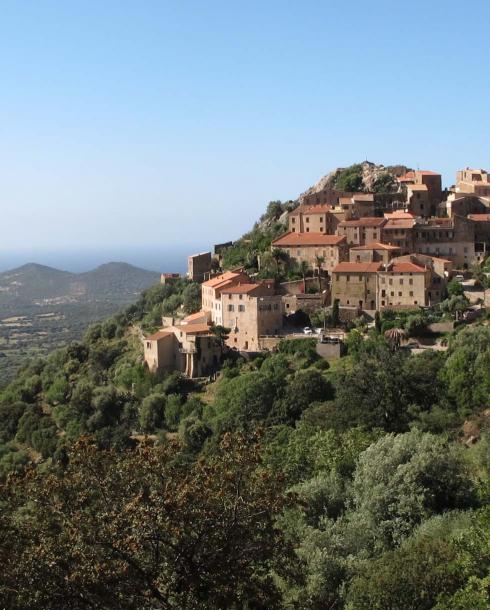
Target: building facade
317,249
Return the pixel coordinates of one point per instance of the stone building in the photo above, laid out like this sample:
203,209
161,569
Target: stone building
211,292
315,219
362,231
308,246
481,224
450,238
403,284
191,349
251,311
418,200
398,230
373,253
199,266
476,181
356,284
429,179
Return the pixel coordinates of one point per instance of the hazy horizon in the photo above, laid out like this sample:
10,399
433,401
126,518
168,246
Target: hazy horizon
162,259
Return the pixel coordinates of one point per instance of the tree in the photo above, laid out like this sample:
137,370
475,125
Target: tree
455,288
143,530
152,412
191,298
377,321
303,269
336,312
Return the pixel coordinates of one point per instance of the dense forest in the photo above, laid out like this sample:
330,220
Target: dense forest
286,483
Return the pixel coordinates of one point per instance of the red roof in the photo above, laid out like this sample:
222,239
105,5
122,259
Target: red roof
222,279
405,268
200,315
418,187
159,335
368,221
194,329
357,268
376,246
399,223
318,209
479,217
242,289
398,214
308,239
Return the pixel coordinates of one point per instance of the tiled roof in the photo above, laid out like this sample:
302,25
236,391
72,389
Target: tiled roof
196,316
357,268
318,209
398,214
308,239
221,279
368,221
242,289
399,223
405,268
479,217
159,335
194,329
376,246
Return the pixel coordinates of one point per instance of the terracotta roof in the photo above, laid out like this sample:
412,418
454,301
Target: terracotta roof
405,268
398,214
308,239
367,221
479,217
196,316
418,187
242,289
317,209
357,268
399,223
221,279
193,329
376,245
159,335
346,200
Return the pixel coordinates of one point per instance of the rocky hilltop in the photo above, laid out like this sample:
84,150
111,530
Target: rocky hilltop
365,176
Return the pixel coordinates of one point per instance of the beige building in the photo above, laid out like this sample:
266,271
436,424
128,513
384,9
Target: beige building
373,253
403,284
481,223
199,266
308,246
191,349
441,271
356,284
357,205
475,181
450,238
315,219
399,231
211,292
251,311
362,231
432,180
418,200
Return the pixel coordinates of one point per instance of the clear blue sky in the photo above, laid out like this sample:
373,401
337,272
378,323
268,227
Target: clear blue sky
154,123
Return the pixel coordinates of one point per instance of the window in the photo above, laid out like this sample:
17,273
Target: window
231,308
241,307
411,293
148,344
307,219
401,281
347,279
399,294
392,293
410,281
293,220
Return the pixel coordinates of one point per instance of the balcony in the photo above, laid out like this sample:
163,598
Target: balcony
188,350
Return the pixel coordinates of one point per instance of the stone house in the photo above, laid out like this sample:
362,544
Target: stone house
315,219
362,231
403,284
399,231
356,284
372,253
199,266
191,349
211,292
476,181
450,238
251,311
482,235
308,246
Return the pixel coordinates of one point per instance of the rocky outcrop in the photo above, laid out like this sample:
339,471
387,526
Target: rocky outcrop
370,173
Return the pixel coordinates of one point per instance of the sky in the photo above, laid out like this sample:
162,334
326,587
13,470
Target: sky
156,124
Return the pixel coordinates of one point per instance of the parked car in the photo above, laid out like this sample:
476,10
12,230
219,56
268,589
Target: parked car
307,330
459,277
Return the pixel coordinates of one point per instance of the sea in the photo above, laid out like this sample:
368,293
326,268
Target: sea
163,259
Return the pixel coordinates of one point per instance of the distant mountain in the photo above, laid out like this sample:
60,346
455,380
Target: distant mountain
42,308
34,284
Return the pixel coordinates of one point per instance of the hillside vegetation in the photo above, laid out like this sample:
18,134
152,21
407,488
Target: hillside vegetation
284,484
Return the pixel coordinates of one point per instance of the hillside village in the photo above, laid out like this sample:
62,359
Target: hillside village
357,256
